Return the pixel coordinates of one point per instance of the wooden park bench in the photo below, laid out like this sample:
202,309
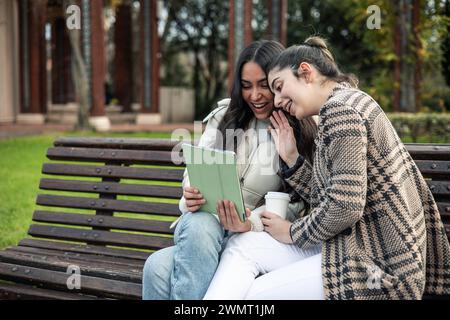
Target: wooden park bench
119,215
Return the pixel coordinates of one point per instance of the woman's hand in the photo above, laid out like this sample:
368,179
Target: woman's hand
284,138
277,227
229,218
194,199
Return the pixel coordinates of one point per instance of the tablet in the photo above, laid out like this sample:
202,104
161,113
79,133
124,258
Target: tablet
215,174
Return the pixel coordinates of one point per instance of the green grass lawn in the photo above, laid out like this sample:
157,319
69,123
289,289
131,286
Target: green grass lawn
21,160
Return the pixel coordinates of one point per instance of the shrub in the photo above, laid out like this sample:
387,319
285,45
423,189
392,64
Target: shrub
411,126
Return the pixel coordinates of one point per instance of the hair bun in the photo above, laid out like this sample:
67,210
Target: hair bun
320,43
317,42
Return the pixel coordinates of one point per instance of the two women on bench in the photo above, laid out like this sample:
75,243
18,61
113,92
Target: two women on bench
185,270
372,230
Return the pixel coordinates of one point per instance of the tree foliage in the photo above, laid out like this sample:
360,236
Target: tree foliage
199,29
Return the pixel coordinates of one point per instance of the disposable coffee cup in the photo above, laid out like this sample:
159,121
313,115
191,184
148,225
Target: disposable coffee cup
277,202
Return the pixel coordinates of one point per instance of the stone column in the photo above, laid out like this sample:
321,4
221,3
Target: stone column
150,63
123,62
8,61
33,72
62,85
94,55
240,32
277,20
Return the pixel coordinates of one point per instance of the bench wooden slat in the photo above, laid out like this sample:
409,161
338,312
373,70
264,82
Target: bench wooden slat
88,249
439,188
55,279
174,175
89,268
166,209
444,209
100,237
428,151
118,143
111,156
129,263
89,220
111,188
435,169
26,292
114,272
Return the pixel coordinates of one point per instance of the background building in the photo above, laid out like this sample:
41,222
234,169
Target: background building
120,44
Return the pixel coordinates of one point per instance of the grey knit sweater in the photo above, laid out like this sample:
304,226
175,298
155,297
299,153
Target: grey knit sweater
371,209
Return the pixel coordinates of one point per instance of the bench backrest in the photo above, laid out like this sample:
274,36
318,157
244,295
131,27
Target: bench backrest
125,192
434,164
115,192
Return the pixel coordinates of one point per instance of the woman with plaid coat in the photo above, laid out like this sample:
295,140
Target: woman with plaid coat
371,212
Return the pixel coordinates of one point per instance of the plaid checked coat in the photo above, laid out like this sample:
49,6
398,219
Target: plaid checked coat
371,208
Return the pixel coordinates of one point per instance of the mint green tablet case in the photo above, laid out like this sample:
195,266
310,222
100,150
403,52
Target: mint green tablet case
214,173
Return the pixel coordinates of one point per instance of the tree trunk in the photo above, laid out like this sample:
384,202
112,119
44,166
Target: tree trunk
446,46
196,83
79,77
405,69
417,9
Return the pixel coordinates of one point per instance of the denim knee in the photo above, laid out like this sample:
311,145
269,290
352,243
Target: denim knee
156,275
198,243
200,229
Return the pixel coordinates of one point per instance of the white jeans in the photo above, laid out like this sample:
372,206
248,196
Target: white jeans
285,271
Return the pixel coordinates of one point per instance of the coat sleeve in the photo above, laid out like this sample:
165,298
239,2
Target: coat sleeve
300,180
343,198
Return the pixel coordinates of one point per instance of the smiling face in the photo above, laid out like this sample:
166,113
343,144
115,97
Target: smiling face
255,90
294,95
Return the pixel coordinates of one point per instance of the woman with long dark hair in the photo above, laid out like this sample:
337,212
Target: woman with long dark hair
239,124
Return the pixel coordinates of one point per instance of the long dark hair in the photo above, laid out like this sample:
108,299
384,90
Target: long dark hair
239,114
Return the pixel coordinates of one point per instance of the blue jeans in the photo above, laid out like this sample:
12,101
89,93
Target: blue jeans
184,271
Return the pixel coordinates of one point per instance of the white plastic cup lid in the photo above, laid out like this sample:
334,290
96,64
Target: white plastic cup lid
277,195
